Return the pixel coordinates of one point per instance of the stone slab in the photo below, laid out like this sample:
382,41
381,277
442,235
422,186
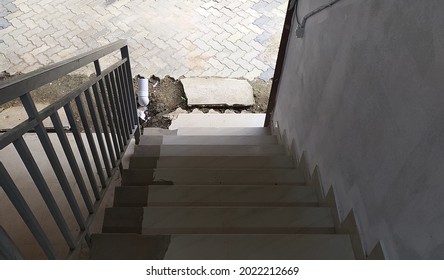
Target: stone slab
218,91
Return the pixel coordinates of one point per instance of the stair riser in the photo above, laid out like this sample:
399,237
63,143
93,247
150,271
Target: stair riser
217,197
226,246
168,220
208,140
223,131
294,196
137,177
212,162
209,150
258,230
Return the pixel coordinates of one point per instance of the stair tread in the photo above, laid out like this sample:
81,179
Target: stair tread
158,131
208,140
193,176
226,246
279,161
223,131
217,195
208,150
171,220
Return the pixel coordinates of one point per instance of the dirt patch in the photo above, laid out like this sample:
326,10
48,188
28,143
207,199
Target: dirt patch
4,76
48,93
261,91
53,91
166,95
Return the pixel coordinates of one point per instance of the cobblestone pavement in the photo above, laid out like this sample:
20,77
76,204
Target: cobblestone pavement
225,38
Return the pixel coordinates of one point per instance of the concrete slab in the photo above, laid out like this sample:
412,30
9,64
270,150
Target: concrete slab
218,120
218,91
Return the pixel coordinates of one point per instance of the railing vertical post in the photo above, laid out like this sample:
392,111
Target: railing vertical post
42,186
125,99
112,110
31,110
125,54
90,138
121,103
106,105
116,114
25,212
98,132
82,150
8,249
102,119
72,161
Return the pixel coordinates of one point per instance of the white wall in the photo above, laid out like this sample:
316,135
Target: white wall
363,94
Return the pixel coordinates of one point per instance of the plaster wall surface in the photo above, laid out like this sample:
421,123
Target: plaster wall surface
363,94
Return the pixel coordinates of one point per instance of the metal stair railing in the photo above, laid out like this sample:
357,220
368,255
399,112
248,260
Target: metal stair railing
111,108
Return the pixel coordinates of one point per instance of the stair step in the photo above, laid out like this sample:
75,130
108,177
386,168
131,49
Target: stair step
209,176
208,150
221,247
158,131
223,131
212,162
208,140
215,195
218,220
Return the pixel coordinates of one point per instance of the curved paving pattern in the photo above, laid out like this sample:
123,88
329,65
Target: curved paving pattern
224,38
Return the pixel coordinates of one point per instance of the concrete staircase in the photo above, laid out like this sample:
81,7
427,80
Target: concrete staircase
216,193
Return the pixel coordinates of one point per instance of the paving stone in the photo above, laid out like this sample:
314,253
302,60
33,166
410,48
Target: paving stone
217,91
267,75
4,23
197,27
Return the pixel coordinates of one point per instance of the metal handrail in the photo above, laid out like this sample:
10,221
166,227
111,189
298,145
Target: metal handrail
25,83
111,107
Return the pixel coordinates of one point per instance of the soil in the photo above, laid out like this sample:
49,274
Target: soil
48,93
261,91
166,95
4,76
